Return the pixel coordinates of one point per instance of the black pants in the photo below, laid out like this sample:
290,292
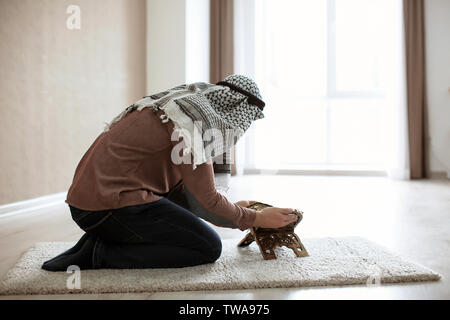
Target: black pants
159,234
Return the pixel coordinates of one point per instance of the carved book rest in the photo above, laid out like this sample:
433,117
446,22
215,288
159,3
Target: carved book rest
267,239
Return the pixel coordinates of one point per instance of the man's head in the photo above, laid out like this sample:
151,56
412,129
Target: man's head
237,101
245,86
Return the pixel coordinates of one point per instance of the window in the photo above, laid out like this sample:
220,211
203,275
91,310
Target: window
325,70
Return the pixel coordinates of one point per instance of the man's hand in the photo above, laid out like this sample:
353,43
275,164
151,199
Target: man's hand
273,217
245,203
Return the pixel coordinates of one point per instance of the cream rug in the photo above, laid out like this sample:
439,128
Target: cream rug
332,261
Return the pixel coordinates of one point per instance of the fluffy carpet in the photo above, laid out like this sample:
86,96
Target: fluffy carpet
332,261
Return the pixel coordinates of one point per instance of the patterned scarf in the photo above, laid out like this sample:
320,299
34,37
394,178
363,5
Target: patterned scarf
199,109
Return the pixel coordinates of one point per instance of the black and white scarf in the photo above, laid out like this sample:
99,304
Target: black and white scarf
200,108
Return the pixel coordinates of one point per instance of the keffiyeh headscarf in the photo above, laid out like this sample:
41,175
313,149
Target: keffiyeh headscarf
199,109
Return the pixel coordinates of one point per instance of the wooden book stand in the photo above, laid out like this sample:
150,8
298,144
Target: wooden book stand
268,239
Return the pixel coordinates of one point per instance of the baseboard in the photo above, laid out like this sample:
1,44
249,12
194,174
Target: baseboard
318,172
30,205
439,175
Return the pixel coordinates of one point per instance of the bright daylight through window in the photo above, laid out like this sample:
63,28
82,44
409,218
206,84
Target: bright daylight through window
327,70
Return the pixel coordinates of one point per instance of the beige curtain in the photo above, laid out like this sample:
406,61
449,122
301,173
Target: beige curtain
221,53
221,39
415,74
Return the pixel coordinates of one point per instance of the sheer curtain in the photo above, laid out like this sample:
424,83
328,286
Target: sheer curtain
333,77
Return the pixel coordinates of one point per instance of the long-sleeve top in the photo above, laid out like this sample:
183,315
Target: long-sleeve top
131,164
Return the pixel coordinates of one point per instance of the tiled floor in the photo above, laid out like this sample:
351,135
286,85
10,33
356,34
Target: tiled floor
409,217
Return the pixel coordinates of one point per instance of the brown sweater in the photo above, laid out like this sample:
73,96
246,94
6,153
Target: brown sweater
131,164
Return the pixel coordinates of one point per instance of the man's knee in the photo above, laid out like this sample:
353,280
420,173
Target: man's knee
216,249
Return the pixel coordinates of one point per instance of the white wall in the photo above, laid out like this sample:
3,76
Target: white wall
197,41
166,39
177,43
58,86
437,24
